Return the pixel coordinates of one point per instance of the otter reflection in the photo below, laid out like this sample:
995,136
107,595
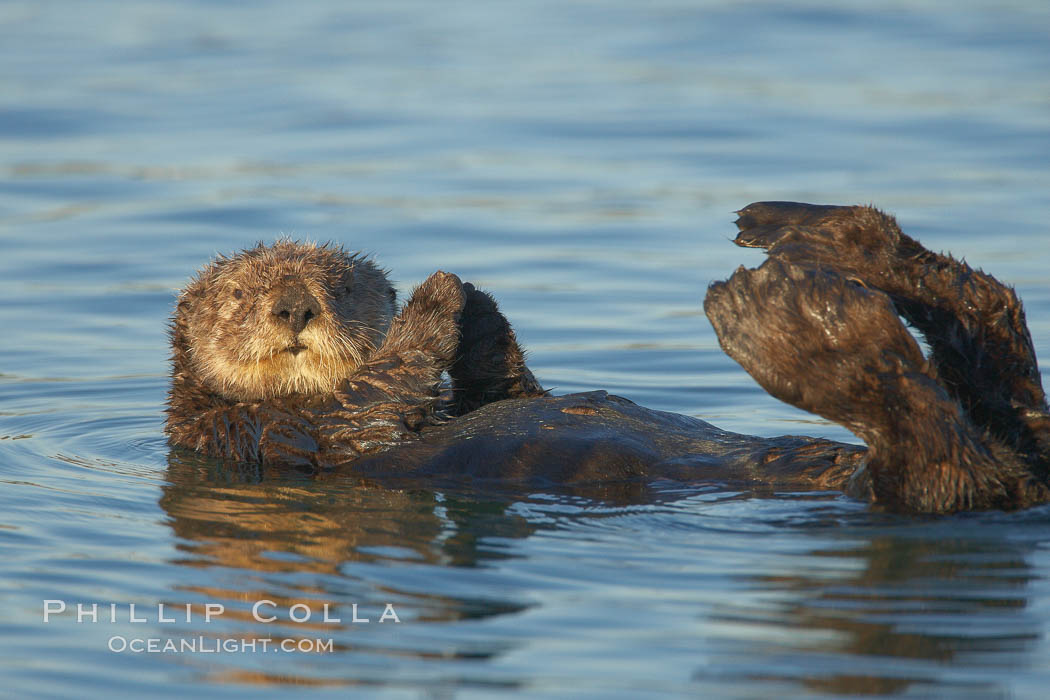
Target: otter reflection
285,524
292,539
276,518
901,622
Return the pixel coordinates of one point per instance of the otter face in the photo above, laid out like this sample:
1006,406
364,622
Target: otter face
282,319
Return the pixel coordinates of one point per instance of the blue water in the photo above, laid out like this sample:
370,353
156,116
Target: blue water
582,161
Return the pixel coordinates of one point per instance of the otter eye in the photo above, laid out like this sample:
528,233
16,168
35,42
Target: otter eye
237,294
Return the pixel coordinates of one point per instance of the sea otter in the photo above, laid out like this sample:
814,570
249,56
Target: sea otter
295,354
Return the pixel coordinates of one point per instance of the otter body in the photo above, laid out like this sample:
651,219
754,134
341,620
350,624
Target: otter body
297,355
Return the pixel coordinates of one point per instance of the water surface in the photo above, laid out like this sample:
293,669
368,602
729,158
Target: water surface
582,161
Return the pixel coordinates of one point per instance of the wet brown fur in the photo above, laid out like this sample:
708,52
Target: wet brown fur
818,325
227,334
364,379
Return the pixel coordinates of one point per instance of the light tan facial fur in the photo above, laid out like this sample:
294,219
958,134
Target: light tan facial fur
233,322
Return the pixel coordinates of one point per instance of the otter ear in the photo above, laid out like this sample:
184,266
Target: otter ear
186,302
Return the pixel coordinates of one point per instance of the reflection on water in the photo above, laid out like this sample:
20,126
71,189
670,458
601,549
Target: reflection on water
893,613
864,613
282,524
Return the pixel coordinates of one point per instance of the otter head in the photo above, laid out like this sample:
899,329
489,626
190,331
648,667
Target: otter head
290,318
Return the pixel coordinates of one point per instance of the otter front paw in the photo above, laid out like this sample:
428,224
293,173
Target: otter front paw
490,365
440,294
287,439
427,326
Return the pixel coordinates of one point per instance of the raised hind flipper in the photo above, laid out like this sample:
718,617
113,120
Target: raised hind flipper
975,326
824,343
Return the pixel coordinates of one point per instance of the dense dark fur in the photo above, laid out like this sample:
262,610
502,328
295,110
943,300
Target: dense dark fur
816,325
490,365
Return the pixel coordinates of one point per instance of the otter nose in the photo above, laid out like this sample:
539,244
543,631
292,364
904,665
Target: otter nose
296,307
